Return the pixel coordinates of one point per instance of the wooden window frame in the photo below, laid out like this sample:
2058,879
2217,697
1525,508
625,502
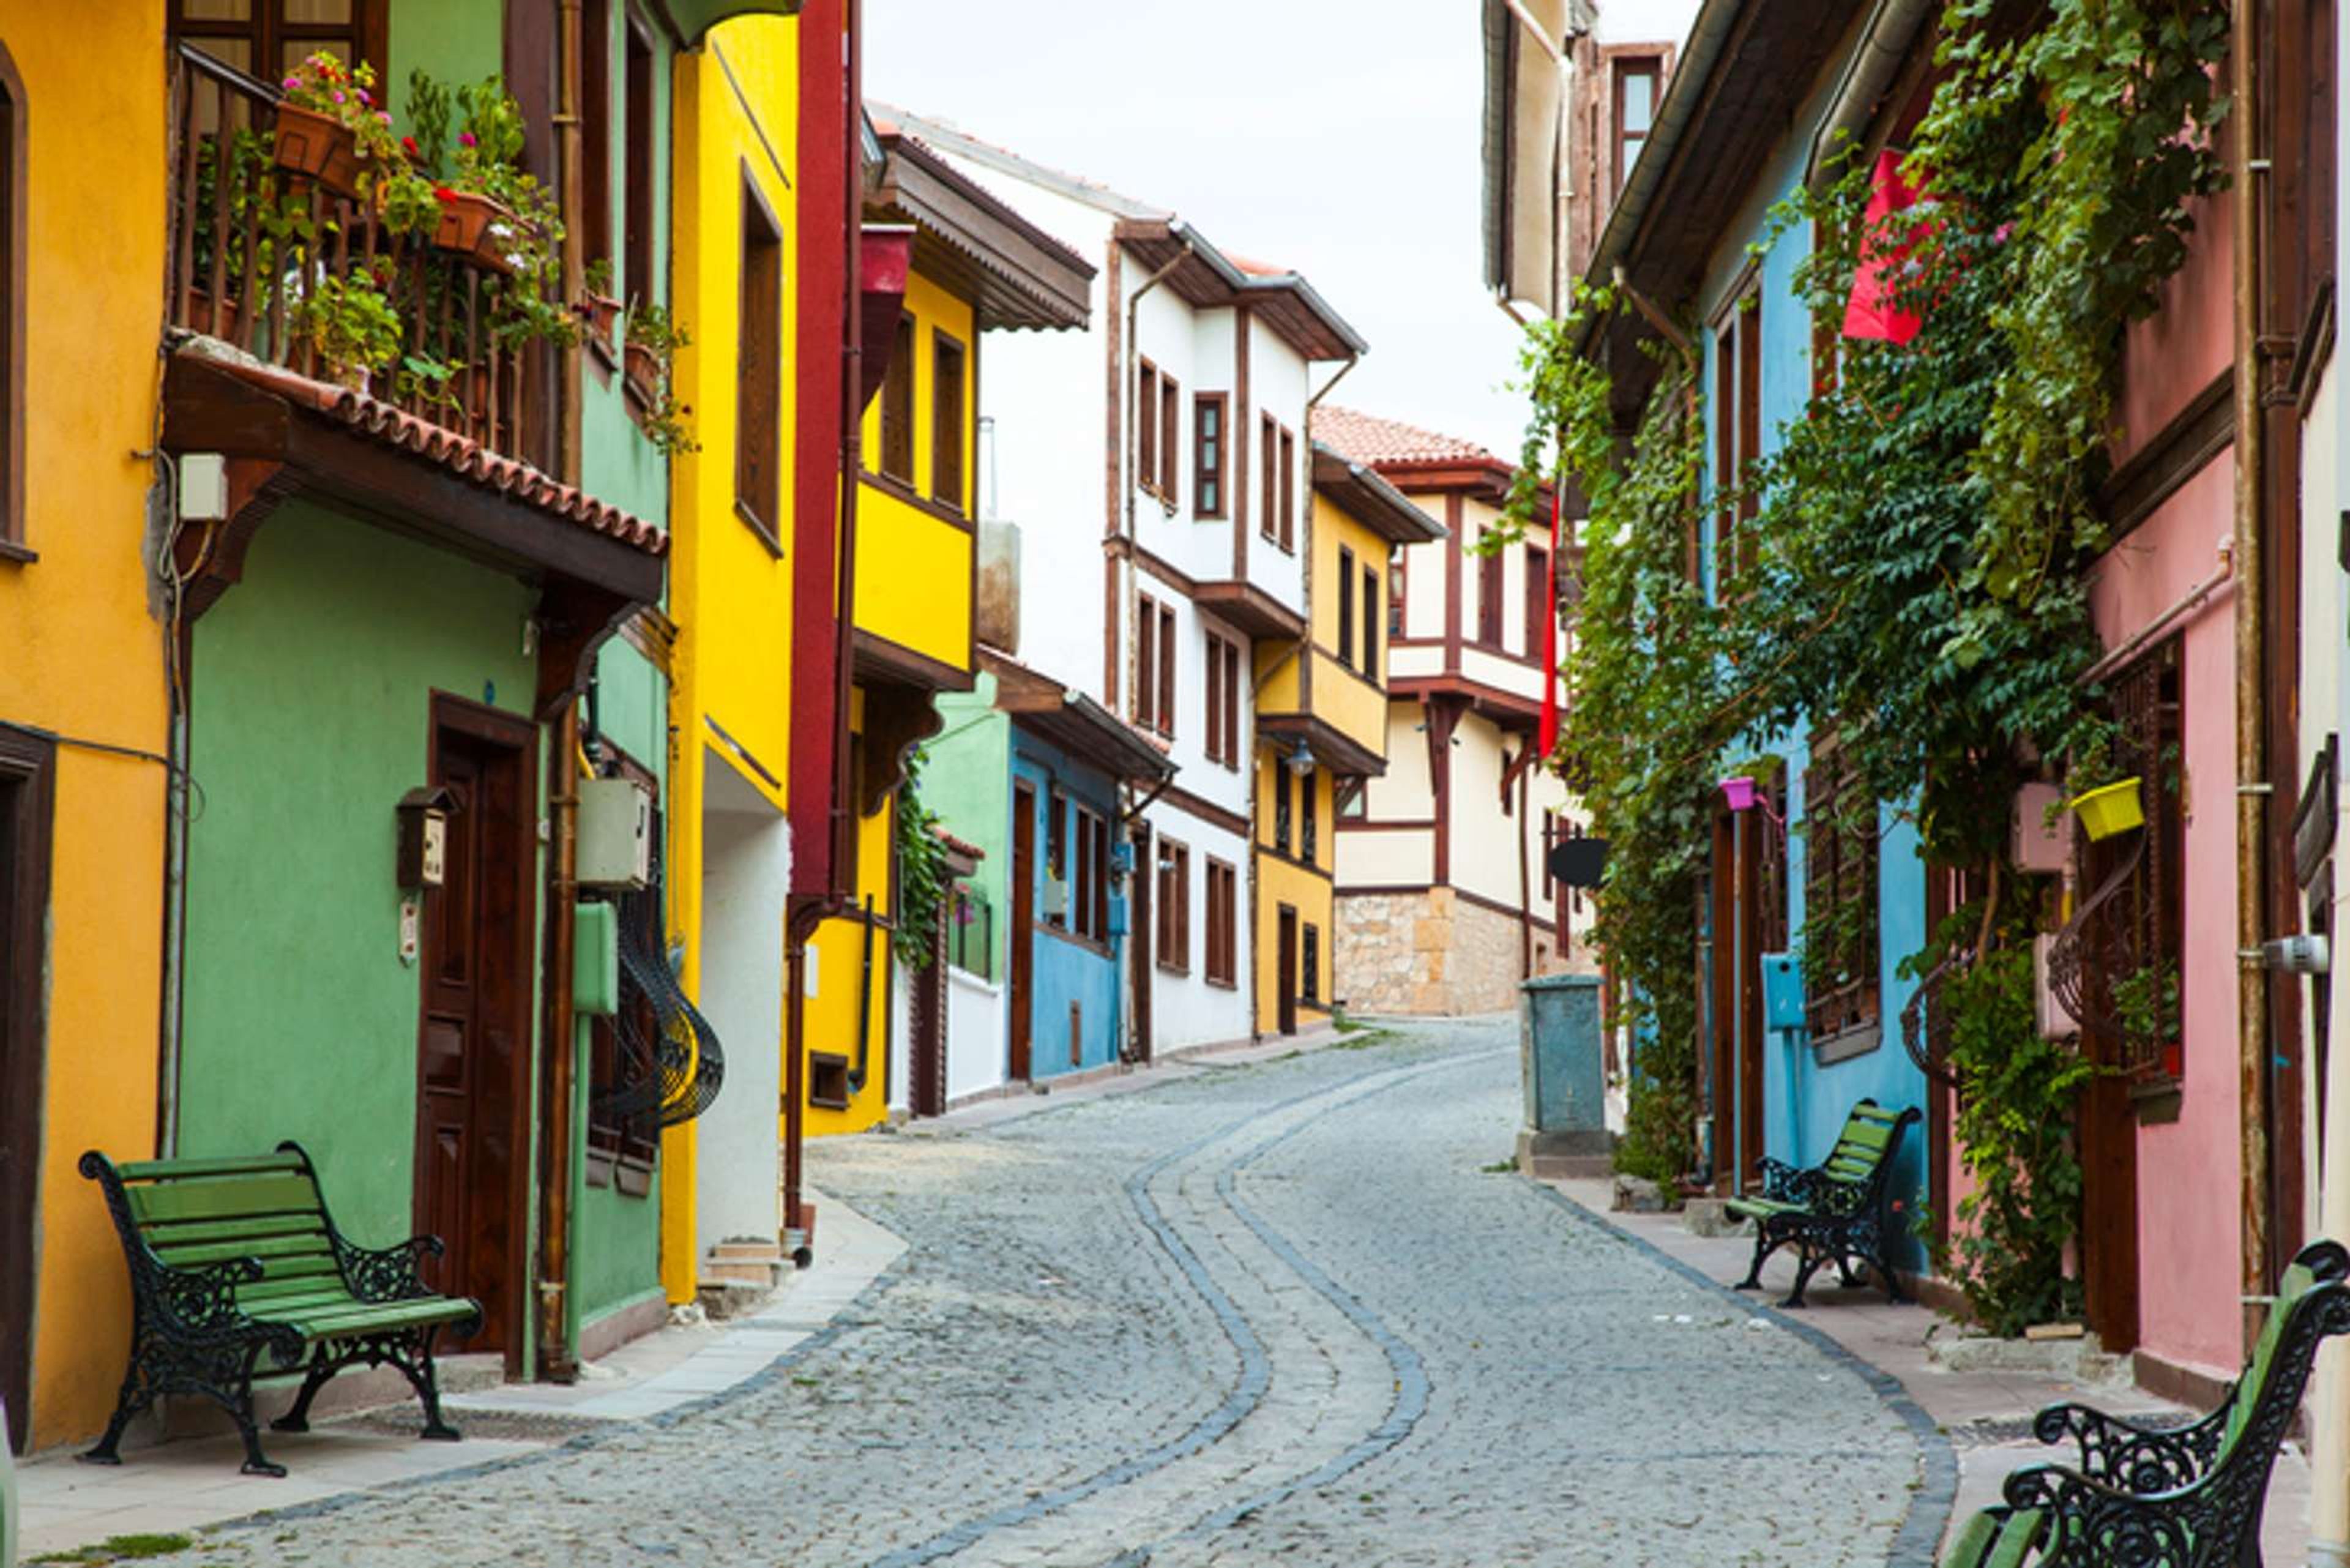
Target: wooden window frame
759,369
15,266
1172,886
1268,523
894,454
364,37
2147,700
1145,425
1490,585
1283,808
1628,145
1171,439
1221,959
1537,590
1309,814
1144,706
1370,612
1057,857
1738,431
1399,577
639,234
597,132
1289,491
949,429
1840,868
1309,964
1220,742
1167,656
1210,454
1345,607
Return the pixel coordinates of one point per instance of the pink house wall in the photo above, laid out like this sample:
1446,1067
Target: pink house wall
2189,1189
2173,354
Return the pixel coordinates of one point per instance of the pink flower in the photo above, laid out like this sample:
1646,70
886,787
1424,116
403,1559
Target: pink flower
466,137
338,95
293,84
384,116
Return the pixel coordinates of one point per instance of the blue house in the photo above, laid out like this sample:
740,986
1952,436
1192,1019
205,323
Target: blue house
1691,239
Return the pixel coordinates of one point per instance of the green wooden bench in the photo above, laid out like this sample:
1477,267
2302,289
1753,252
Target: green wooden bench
1839,1211
234,1259
2154,1497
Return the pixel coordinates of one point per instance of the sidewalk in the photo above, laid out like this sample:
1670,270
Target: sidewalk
179,1488
1986,1416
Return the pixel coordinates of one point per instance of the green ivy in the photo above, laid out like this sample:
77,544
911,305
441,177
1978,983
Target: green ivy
923,880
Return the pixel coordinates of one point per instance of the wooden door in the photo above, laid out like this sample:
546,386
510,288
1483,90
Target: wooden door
1285,970
1751,846
26,813
1720,980
472,1040
926,1095
1022,937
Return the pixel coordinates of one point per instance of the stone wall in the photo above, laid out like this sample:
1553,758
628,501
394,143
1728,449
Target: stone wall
1430,954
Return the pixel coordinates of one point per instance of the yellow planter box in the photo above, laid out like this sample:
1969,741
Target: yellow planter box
2116,808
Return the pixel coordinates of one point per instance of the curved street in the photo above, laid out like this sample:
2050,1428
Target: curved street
1286,1313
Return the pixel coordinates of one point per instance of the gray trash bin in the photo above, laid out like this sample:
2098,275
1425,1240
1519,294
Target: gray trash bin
1560,1060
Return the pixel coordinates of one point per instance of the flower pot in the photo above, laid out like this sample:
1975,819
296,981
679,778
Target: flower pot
216,317
644,367
2116,808
1739,792
602,313
467,228
319,146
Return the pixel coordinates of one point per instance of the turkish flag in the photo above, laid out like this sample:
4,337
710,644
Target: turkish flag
1875,283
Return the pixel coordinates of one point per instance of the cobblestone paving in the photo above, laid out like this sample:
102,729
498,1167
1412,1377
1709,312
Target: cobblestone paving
1275,1314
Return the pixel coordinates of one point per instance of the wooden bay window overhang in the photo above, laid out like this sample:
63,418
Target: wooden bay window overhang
1331,747
690,20
1358,491
1076,722
1014,275
1248,608
286,437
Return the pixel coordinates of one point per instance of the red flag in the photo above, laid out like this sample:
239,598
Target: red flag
1871,311
1546,736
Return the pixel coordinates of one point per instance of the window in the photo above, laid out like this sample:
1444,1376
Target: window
267,38
1395,596
1268,517
1172,941
1309,810
1839,894
1309,965
1283,785
1345,607
1635,110
1154,666
1223,911
1057,856
12,298
1089,893
1288,490
1208,410
1222,740
1166,669
1352,798
597,133
897,406
947,431
1370,623
638,236
759,372
2134,937
1738,429
1488,600
1146,427
1171,442
1538,600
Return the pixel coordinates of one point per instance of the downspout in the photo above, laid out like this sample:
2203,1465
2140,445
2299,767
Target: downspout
800,924
1311,403
556,1364
2252,786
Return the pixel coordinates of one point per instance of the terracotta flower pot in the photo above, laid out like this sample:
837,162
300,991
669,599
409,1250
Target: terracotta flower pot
643,366
217,317
467,221
319,146
602,313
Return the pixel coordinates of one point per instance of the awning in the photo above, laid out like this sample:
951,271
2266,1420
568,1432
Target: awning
1075,722
694,18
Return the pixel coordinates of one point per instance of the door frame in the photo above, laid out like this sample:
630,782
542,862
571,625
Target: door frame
1285,970
28,767
1020,957
512,732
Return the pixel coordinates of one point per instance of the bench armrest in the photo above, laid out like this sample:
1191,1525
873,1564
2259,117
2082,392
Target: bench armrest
1785,1183
198,1301
2136,1458
2089,1516
387,1273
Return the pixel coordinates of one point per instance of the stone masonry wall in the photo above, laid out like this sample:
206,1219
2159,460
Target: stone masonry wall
1430,954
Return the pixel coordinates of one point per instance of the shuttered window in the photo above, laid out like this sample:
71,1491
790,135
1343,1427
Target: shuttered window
759,371
1224,910
1839,894
1173,890
897,406
947,434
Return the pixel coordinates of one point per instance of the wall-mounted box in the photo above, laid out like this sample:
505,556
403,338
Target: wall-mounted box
2036,844
616,833
596,959
423,818
1782,991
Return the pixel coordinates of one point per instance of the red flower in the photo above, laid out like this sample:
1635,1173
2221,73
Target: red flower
408,145
441,193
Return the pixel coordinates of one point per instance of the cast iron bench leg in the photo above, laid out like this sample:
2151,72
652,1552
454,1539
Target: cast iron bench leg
1764,1247
425,1378
256,1463
297,1420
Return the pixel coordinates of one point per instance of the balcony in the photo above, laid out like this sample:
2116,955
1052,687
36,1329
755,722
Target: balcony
254,246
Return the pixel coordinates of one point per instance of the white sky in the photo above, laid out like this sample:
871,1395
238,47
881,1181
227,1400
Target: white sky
1337,137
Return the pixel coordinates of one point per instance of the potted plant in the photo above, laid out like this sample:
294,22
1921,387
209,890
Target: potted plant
654,336
329,126
599,309
350,324
2146,1004
2109,809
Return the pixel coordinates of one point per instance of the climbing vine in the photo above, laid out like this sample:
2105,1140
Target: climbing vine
923,881
1915,572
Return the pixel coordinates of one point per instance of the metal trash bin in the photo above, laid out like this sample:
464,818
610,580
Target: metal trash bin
1561,1062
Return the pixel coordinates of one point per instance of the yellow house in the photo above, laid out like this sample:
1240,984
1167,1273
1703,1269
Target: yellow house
1322,728
736,237
85,707
975,266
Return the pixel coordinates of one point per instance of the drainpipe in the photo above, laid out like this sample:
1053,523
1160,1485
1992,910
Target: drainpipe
806,914
2329,1408
1311,403
555,1361
2252,786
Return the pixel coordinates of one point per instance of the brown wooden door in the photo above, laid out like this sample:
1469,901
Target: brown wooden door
26,813
1285,970
1751,827
1022,937
926,1094
1721,980
473,1037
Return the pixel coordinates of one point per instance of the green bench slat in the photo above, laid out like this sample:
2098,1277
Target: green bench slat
1973,1543
2295,1283
2015,1541
1753,1205
1870,1134
360,1318
237,1165
295,1298
183,1232
223,1197
194,1254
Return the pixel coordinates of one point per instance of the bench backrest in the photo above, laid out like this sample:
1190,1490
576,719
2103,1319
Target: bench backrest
192,1212
2320,1262
1869,1137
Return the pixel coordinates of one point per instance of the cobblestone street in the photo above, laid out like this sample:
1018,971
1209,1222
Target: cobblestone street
1286,1313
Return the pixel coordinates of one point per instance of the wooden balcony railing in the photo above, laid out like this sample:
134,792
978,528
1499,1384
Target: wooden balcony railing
252,243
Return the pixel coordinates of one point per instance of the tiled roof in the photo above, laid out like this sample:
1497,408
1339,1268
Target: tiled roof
461,455
1380,444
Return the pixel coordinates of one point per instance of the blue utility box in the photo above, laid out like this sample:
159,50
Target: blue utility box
1562,1062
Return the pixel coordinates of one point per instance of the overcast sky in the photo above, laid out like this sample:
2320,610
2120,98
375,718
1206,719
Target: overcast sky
1337,137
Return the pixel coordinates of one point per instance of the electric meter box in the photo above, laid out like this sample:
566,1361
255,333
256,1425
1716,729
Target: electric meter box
616,833
596,959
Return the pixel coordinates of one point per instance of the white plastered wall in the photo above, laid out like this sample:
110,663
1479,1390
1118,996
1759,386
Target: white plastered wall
746,869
